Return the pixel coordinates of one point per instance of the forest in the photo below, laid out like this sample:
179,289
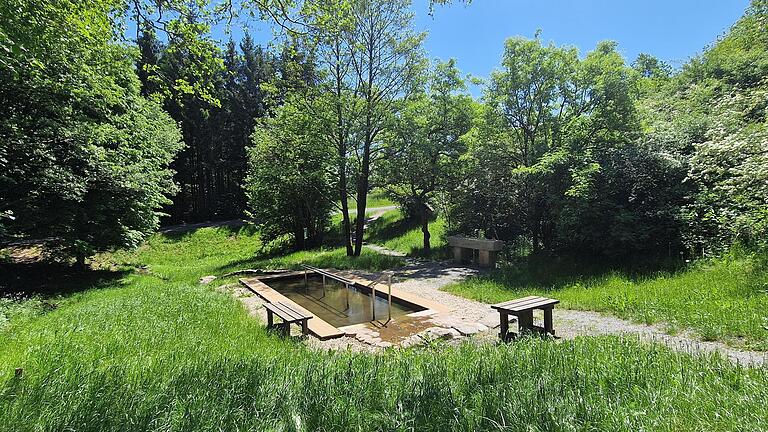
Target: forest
147,163
564,153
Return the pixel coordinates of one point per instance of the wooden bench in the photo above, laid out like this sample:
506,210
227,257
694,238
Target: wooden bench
523,309
289,315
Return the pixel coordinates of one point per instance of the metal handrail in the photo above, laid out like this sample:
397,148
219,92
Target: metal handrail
329,274
372,286
349,282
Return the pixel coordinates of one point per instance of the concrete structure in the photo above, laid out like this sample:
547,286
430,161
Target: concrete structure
481,251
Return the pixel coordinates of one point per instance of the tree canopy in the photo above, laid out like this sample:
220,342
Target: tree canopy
564,153
84,157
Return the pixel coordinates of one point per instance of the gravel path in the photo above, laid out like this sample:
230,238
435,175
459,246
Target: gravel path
426,279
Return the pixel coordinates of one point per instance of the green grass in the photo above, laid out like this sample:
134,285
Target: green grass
724,299
216,251
394,232
376,198
152,350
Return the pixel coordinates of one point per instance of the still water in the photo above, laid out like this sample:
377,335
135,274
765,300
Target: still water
336,304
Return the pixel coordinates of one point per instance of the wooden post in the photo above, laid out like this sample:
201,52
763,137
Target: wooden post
504,325
373,302
548,327
346,290
525,321
270,319
304,327
389,296
285,329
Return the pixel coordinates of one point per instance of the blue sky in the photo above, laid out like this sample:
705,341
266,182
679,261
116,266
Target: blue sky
673,30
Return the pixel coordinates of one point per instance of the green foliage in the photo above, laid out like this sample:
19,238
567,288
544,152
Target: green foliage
721,299
424,144
731,170
288,186
555,160
84,157
712,117
217,115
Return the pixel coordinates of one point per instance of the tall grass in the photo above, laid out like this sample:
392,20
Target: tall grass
154,351
168,356
721,299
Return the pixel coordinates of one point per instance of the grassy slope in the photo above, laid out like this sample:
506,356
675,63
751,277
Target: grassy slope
155,351
376,198
396,233
720,299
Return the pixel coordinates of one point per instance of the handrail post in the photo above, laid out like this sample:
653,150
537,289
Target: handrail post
389,295
346,289
373,302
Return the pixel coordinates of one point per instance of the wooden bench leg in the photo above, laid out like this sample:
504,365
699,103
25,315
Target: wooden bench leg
503,325
525,321
270,319
548,327
304,327
285,329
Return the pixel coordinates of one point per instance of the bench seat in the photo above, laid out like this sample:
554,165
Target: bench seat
288,315
523,308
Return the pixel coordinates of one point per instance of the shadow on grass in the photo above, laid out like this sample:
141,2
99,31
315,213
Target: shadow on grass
389,226
52,279
554,273
323,258
438,253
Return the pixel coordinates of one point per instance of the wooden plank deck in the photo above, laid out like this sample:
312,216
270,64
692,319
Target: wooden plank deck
319,328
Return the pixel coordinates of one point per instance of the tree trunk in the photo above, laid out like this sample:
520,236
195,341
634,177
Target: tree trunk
344,195
362,198
346,224
298,239
425,227
80,261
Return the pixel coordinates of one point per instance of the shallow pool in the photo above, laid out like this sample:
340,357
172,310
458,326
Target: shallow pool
336,304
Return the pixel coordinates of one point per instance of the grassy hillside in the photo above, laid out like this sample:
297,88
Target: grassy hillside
395,232
722,299
153,350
